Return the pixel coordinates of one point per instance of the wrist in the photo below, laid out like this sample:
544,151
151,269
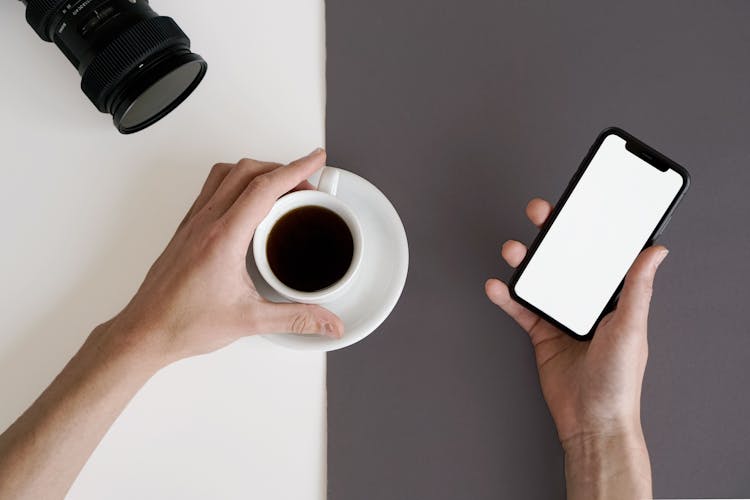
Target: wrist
139,348
591,431
607,464
591,443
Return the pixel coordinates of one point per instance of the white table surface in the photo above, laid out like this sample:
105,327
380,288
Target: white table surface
83,213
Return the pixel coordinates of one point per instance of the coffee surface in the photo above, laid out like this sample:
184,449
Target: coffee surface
310,248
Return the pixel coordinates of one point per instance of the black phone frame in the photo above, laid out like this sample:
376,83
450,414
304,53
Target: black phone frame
646,153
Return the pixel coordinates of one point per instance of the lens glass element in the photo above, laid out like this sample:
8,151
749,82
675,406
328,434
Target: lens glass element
161,97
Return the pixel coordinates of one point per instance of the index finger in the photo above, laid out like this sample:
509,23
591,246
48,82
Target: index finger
259,196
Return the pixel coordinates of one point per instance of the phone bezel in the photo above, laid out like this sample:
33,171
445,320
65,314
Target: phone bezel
646,153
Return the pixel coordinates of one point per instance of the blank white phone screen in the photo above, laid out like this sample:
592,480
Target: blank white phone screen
606,221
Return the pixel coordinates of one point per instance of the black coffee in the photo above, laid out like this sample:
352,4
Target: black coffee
310,248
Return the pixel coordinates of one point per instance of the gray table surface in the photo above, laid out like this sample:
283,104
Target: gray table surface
461,112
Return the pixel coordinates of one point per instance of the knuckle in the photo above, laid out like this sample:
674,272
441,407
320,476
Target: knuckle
219,168
247,163
260,184
243,170
634,278
643,284
301,323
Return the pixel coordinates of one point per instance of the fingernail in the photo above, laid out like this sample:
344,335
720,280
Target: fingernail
662,256
316,151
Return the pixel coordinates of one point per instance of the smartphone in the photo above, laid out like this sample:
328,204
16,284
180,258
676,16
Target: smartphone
618,202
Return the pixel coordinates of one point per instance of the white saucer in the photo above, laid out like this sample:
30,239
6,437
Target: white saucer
379,282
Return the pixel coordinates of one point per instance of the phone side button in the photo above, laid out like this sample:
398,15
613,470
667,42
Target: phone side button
664,225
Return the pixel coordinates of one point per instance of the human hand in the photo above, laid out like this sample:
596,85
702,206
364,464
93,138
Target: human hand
593,389
198,297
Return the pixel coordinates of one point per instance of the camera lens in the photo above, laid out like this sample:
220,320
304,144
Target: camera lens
134,64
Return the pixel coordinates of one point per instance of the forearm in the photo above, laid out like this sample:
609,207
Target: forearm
42,453
614,466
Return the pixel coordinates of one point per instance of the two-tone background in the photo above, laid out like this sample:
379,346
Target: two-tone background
460,112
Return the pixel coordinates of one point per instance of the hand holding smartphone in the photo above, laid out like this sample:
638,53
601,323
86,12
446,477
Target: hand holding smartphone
617,204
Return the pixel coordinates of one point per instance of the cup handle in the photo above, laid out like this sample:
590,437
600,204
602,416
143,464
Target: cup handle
329,180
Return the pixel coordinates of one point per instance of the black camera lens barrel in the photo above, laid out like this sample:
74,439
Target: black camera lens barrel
134,64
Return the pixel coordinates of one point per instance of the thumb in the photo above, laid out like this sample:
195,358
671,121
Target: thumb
635,298
302,319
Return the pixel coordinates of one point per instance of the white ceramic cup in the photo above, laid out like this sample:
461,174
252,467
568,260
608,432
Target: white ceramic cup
325,197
